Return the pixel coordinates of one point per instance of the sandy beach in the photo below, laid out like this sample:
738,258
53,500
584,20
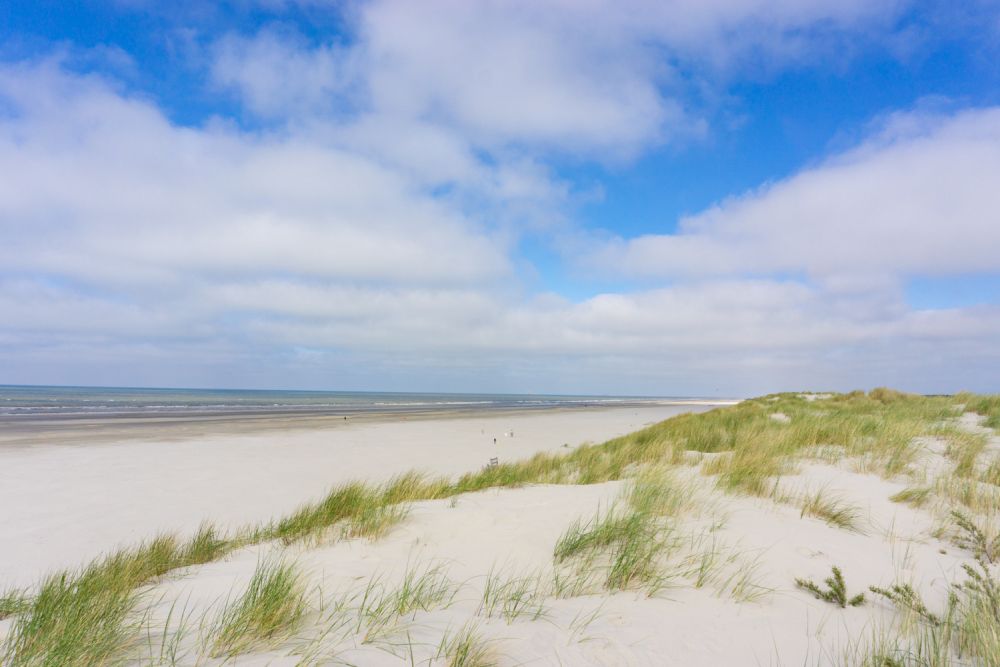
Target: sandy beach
723,538
107,484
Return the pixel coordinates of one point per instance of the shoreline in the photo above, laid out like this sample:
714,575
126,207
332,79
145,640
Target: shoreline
72,429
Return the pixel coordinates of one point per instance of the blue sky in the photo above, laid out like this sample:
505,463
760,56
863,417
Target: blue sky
664,198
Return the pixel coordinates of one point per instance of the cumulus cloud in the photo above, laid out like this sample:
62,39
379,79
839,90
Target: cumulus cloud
593,78
100,186
276,72
919,197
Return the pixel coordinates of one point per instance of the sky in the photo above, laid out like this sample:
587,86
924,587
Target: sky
673,198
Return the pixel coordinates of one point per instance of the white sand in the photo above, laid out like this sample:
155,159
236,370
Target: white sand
244,478
62,505
515,531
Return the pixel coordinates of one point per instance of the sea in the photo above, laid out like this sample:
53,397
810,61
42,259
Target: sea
29,403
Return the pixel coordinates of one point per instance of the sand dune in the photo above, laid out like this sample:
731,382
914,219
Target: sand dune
513,532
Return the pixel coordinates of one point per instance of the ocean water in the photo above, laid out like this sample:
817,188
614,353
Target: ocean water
19,403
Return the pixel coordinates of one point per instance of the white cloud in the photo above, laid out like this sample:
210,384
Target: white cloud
276,72
591,78
508,73
101,187
920,197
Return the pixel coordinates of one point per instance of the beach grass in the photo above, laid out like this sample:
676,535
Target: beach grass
269,610
964,448
978,617
985,405
918,496
86,617
704,561
73,621
13,602
205,546
342,503
167,644
374,521
657,491
382,608
828,506
971,494
621,548
889,645
966,631
599,532
466,647
513,596
626,545
991,473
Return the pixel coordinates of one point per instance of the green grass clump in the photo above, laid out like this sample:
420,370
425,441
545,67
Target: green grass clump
749,469
466,648
633,560
13,603
269,611
836,590
988,406
964,448
540,468
656,491
991,475
411,486
624,545
887,396
756,449
344,502
603,530
973,495
86,617
512,597
75,620
913,495
921,646
834,510
375,521
421,589
205,546
381,608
